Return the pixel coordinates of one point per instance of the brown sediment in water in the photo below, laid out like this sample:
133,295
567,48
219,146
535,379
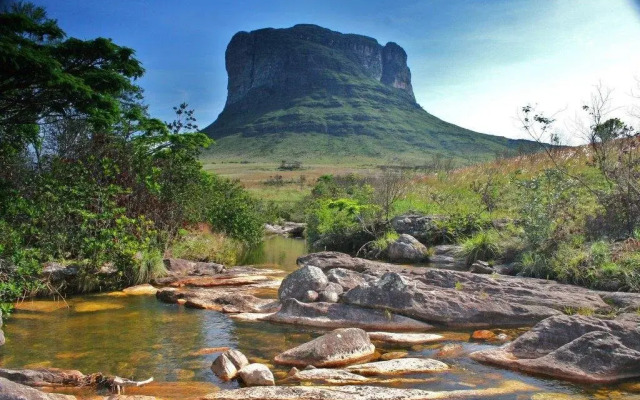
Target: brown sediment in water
93,306
40,305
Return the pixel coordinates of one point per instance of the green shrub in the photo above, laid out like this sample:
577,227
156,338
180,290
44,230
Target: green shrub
459,226
339,224
484,245
207,247
231,210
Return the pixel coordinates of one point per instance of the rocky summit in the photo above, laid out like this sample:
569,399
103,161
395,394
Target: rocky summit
309,92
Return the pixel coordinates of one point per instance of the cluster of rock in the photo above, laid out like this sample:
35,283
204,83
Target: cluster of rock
425,228
211,286
335,290
292,229
345,357
419,297
232,363
417,230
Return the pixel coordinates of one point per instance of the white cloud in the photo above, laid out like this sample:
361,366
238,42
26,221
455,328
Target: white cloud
575,46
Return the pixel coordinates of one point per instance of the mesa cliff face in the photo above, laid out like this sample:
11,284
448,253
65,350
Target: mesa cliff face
276,61
307,92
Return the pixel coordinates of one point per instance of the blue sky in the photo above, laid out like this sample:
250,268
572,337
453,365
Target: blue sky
473,62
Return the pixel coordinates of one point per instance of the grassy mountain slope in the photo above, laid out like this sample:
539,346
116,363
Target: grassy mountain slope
324,106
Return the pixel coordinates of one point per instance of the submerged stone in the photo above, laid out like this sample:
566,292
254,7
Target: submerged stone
143,290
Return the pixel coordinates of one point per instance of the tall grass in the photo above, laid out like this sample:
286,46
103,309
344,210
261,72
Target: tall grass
207,247
484,245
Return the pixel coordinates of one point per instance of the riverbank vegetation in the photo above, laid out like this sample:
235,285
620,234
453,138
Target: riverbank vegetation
566,213
86,174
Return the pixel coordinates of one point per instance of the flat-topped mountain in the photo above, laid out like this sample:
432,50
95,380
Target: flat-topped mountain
307,92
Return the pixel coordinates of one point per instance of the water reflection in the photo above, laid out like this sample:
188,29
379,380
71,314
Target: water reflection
278,250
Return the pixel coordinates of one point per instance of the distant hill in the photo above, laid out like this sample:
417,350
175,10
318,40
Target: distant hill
309,93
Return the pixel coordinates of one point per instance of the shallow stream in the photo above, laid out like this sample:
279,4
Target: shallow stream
138,337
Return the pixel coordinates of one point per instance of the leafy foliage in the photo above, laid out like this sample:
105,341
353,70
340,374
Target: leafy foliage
87,175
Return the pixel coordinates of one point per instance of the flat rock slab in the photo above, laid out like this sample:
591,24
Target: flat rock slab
405,338
14,391
401,366
327,376
213,281
363,393
45,377
578,348
335,349
227,300
338,315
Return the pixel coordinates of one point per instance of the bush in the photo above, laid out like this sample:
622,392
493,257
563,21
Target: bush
484,245
459,226
231,210
339,224
207,247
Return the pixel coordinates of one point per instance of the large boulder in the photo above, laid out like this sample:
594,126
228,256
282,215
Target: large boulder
331,315
335,349
425,228
348,279
256,375
298,283
14,391
407,249
578,348
451,307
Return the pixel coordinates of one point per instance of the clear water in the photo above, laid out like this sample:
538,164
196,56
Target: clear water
138,337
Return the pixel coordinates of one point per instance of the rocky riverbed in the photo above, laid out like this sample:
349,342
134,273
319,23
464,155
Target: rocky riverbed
336,327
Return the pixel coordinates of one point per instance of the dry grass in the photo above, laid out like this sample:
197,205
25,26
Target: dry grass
254,175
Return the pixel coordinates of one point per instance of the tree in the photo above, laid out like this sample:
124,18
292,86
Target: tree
389,186
44,75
